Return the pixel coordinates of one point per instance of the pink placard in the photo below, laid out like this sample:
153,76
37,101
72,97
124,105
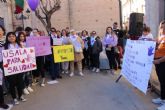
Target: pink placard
18,60
41,44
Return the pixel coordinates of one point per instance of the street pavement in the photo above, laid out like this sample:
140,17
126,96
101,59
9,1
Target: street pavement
94,91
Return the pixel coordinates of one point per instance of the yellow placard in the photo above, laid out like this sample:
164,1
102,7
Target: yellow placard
63,53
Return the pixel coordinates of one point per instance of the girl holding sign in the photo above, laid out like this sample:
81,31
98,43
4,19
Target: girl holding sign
160,65
22,43
65,41
15,81
40,66
2,42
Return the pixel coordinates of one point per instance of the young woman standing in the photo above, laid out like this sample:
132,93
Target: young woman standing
15,81
110,41
3,105
22,43
65,41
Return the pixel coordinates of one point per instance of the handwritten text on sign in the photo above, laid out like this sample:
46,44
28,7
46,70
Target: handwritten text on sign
63,53
18,60
41,44
137,63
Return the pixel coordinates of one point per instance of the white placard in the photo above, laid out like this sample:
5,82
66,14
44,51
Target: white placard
18,60
57,41
137,63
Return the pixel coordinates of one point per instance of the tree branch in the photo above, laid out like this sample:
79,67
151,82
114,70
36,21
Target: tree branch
37,13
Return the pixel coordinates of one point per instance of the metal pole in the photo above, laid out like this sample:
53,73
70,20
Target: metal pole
120,12
22,17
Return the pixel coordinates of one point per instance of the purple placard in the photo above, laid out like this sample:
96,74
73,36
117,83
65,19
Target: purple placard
41,44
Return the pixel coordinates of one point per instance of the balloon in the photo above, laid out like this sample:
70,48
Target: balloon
33,4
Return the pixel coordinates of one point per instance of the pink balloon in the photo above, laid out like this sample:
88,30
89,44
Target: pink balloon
33,4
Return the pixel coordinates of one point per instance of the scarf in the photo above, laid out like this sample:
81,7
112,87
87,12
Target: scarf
93,39
73,38
2,41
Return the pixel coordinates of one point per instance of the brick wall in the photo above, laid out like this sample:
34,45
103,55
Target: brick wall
84,14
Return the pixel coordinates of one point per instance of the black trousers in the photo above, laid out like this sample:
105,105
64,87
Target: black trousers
16,81
1,95
95,62
1,90
85,61
40,67
111,58
160,70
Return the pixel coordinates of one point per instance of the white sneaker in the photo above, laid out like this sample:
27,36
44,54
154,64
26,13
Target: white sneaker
16,102
158,101
81,74
10,107
94,69
112,72
162,107
30,89
26,92
97,70
63,72
43,82
42,85
22,99
53,82
71,74
66,72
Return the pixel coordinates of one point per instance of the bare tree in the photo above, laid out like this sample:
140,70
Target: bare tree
3,1
45,11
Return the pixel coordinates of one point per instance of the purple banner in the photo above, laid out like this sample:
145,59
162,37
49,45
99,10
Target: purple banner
41,44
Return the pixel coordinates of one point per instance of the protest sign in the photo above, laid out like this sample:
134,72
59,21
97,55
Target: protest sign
18,60
41,44
137,63
57,41
63,53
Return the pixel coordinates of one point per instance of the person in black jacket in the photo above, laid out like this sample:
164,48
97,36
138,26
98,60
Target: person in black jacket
54,69
95,47
85,38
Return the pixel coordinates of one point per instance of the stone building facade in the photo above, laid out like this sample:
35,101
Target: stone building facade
76,14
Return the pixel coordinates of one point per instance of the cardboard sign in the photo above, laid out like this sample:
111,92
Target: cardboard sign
18,60
41,44
57,41
137,63
63,53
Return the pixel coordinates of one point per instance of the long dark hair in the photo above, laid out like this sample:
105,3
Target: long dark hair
107,30
65,32
85,32
7,41
3,29
19,38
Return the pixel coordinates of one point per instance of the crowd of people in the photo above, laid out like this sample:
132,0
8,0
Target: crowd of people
87,49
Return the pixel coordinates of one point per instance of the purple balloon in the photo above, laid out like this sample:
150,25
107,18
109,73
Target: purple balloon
33,4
